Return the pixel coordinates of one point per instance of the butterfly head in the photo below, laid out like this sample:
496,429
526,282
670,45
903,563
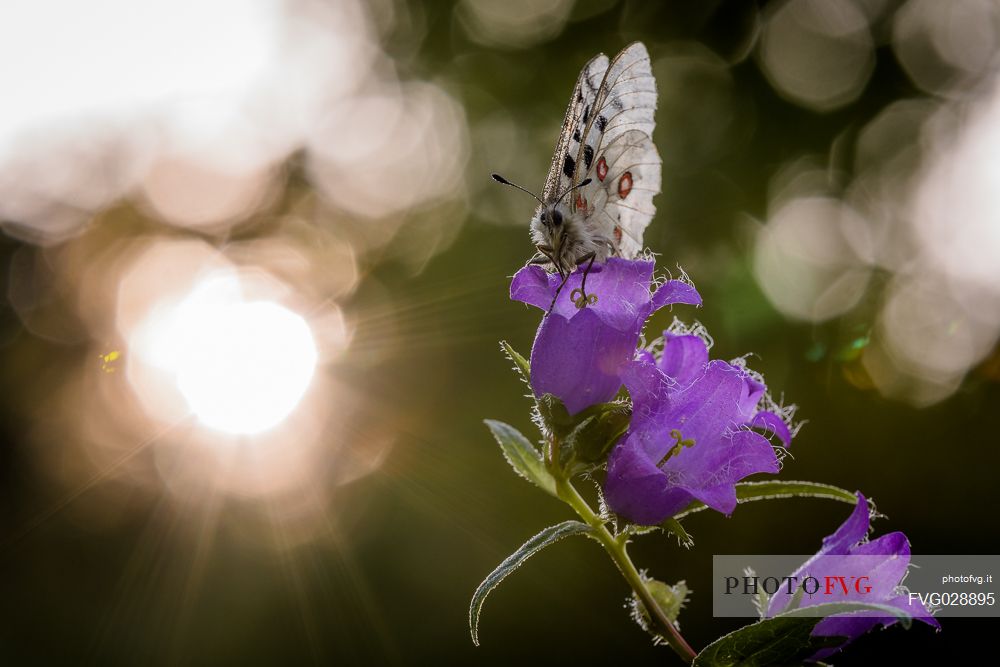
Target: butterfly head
549,220
552,229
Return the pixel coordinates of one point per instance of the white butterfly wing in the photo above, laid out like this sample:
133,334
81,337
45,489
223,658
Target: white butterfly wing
619,155
563,172
626,101
618,202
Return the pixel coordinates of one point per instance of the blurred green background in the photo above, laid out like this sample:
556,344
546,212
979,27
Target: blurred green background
811,151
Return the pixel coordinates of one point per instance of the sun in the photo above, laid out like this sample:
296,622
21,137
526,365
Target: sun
241,366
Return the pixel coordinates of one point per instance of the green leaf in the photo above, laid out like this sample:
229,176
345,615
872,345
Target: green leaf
831,608
762,600
555,416
520,363
784,639
550,535
587,436
773,489
521,455
593,437
796,601
674,527
670,599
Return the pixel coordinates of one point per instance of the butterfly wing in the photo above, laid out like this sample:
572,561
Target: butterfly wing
618,153
618,202
563,171
626,99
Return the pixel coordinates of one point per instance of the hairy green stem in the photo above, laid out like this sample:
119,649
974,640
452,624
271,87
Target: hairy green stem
616,548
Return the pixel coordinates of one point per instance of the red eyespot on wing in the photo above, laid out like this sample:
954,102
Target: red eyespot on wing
625,184
581,203
618,234
602,169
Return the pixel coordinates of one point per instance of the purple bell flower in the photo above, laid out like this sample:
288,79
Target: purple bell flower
691,434
579,353
881,563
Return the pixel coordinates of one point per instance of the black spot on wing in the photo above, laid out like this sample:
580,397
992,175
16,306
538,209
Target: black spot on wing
602,122
569,166
588,156
586,114
576,135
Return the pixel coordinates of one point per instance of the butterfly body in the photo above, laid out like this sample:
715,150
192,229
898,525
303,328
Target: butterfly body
565,238
597,199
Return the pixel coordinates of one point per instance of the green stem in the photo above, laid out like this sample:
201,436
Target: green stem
616,549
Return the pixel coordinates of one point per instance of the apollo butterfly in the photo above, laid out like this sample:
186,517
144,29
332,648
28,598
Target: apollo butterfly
605,156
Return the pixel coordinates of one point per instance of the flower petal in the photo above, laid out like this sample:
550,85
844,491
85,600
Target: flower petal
772,424
651,392
880,563
754,392
706,413
684,357
645,356
856,624
675,291
579,352
532,285
637,490
579,360
915,609
707,407
887,558
735,457
840,543
850,626
850,532
622,290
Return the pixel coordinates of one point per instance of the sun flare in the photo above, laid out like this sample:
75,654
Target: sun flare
241,366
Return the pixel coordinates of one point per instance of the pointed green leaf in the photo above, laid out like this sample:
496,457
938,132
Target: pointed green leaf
674,527
774,489
555,416
784,639
762,600
670,600
831,608
636,529
796,600
567,450
520,363
587,436
521,455
597,432
543,539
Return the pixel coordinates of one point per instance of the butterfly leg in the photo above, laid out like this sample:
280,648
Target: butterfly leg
563,273
562,283
612,248
543,256
583,299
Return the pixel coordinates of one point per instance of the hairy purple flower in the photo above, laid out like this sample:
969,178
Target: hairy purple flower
881,563
579,353
690,437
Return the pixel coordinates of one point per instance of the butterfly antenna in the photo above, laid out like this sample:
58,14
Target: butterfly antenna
582,183
500,179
